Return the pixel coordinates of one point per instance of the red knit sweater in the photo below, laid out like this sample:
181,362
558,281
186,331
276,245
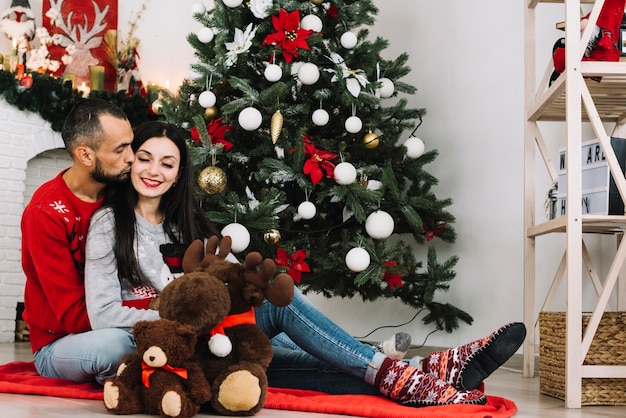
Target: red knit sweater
54,226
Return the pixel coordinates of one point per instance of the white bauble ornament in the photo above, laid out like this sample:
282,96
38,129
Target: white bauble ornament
379,225
348,40
414,147
205,35
357,259
232,3
311,22
320,117
307,210
198,8
345,173
374,185
353,124
207,99
240,236
386,88
250,119
273,73
308,73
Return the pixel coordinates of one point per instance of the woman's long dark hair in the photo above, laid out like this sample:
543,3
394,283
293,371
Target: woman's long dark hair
184,220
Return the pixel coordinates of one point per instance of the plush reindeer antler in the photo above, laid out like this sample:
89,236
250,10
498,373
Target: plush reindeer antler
259,272
198,256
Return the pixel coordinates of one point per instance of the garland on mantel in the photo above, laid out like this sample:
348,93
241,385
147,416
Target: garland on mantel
52,99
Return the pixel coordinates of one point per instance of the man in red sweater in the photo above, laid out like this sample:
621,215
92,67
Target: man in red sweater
97,135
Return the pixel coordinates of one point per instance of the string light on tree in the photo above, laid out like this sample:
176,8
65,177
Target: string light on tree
357,259
379,225
239,234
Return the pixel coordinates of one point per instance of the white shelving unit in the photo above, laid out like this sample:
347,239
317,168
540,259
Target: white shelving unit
575,100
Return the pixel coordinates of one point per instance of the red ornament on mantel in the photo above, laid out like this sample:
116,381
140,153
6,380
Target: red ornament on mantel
26,81
82,24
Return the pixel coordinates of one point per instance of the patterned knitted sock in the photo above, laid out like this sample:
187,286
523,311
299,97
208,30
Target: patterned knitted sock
465,367
396,346
412,387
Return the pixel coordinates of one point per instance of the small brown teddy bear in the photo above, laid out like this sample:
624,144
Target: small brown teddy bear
237,354
161,379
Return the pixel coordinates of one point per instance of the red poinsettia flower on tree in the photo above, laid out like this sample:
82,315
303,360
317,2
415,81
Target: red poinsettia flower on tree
288,36
318,163
217,133
430,233
294,262
393,279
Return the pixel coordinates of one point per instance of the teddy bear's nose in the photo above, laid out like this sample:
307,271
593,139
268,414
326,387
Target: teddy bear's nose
152,358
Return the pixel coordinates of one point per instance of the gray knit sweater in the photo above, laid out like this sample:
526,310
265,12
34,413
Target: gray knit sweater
104,291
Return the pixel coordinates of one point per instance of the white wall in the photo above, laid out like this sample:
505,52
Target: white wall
467,63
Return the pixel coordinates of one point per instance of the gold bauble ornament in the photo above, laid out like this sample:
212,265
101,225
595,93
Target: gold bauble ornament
272,236
317,2
210,112
157,107
276,125
212,179
371,140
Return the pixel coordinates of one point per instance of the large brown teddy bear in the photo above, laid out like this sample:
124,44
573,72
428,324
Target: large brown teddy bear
235,354
161,379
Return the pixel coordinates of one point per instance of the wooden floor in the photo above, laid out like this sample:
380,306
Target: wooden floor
507,382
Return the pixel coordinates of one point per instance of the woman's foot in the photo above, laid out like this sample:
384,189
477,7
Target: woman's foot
465,367
395,347
412,387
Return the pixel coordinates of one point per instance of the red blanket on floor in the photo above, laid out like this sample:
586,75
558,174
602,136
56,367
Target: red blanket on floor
21,377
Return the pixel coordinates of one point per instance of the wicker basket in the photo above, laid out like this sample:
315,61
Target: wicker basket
607,348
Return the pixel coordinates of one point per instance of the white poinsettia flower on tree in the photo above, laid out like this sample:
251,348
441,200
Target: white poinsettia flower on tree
260,8
355,79
241,44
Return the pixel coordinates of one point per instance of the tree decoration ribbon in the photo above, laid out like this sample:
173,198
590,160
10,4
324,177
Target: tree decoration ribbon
319,163
393,279
147,370
288,36
216,131
294,262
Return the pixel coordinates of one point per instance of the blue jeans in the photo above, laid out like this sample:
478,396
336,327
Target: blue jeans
81,357
312,352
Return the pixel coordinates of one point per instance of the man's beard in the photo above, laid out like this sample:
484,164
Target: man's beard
100,176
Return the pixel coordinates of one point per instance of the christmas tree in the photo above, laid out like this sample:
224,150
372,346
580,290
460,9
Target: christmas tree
305,150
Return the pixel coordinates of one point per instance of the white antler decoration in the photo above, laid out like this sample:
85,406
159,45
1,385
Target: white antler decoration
79,40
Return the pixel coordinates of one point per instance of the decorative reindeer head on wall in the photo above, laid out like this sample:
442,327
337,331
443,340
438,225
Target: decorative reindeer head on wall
78,39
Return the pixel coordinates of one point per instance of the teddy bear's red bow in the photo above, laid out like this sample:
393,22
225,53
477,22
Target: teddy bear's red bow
147,370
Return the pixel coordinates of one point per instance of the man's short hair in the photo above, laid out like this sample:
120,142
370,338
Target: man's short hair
82,125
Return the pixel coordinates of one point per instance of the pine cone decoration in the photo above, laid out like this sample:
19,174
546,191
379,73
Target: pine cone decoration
276,125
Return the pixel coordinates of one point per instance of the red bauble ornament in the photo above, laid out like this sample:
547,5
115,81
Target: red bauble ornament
26,81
